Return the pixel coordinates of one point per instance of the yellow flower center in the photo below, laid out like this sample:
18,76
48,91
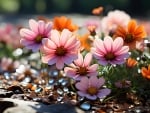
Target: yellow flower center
129,38
60,51
82,71
110,56
39,38
92,90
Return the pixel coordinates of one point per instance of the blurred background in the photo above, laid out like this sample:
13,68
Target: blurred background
132,7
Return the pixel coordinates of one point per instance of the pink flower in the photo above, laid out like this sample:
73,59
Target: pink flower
81,67
9,33
60,48
91,88
109,51
8,64
113,19
123,84
32,38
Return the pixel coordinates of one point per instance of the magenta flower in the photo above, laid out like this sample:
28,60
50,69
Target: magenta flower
32,38
109,51
91,88
81,67
62,48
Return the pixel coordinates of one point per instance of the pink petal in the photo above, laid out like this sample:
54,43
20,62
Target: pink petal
93,67
87,59
52,60
55,37
26,42
41,27
123,50
70,72
82,94
48,28
68,59
108,43
33,25
46,58
59,63
83,84
79,61
34,47
98,44
70,42
96,82
117,44
103,62
119,61
103,93
27,34
50,44
91,97
65,36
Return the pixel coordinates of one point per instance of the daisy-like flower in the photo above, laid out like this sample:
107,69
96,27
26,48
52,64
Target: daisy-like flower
97,10
123,84
113,19
91,88
62,48
81,67
109,51
131,62
146,72
32,38
131,34
7,64
63,22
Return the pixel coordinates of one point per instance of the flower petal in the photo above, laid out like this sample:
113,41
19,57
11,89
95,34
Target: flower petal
33,25
103,93
87,59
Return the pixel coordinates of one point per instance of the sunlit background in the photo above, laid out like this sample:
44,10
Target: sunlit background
132,7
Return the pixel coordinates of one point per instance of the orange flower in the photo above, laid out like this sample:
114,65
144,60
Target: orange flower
63,22
146,72
132,34
86,42
97,11
131,62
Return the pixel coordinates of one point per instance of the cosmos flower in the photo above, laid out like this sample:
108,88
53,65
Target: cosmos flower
9,33
8,64
146,72
32,38
131,34
113,19
123,84
63,22
131,62
97,10
81,67
91,88
62,48
109,51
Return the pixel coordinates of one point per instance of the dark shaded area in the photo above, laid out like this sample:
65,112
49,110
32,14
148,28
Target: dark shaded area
5,104
132,7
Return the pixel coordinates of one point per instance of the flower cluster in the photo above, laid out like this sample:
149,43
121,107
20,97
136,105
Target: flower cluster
100,57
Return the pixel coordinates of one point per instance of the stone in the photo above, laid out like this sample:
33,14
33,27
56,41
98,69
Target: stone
21,106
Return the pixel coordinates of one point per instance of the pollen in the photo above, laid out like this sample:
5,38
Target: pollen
39,38
82,71
61,51
92,90
129,38
110,56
